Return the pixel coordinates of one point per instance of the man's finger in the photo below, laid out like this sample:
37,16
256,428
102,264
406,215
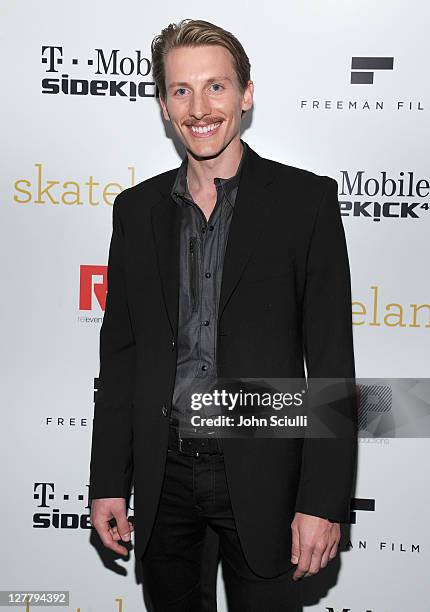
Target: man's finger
114,531
315,564
304,562
115,528
103,530
295,545
123,526
334,549
325,558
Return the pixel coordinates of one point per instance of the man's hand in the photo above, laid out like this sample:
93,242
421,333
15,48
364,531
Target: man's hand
102,510
315,542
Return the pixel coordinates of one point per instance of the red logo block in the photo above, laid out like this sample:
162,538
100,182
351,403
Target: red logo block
89,286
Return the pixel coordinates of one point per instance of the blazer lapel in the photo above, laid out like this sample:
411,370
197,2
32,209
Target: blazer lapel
251,212
166,225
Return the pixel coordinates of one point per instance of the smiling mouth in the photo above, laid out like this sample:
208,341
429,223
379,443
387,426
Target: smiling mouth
204,132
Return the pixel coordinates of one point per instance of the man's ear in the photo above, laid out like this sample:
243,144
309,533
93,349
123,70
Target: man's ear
164,108
248,96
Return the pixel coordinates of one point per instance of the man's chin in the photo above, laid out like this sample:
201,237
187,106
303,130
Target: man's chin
206,150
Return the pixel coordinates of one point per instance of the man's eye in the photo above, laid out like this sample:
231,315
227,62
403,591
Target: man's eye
218,86
181,89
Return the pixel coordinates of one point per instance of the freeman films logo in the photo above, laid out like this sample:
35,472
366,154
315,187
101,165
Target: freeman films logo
363,68
114,74
362,73
360,504
383,196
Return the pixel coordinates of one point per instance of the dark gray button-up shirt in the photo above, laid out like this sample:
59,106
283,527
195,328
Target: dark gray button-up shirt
202,249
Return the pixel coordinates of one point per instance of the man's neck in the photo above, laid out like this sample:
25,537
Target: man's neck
201,173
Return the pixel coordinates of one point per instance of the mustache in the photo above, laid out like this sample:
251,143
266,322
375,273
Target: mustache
204,123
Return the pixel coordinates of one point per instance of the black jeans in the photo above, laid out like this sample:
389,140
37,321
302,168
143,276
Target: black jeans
195,495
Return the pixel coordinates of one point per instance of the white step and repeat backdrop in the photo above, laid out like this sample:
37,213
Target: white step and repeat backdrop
341,88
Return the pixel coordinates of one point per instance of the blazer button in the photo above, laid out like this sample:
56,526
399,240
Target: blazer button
164,410
173,345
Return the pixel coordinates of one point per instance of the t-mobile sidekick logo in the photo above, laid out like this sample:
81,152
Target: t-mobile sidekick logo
117,73
58,509
383,196
92,283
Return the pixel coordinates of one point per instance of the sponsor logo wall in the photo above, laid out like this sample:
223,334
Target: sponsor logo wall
339,90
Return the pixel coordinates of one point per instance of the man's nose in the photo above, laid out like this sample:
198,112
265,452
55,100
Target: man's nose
199,105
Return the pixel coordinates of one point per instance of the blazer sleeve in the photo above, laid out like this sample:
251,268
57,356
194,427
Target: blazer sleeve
329,463
111,463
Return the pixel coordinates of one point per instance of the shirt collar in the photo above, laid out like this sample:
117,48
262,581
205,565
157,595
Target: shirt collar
180,188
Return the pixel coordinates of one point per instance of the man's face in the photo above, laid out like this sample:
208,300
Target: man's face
203,99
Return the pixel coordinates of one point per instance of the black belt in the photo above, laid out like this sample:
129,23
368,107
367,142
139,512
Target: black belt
193,447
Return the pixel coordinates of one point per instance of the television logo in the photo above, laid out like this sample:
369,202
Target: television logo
92,283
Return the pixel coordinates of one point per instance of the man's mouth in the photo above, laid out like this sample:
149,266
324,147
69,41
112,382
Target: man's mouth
204,131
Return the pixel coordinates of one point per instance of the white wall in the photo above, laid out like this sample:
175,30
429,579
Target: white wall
299,52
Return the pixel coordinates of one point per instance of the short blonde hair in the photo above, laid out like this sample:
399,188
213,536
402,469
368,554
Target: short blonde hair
193,33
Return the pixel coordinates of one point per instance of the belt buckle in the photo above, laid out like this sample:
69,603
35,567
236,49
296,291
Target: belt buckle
195,453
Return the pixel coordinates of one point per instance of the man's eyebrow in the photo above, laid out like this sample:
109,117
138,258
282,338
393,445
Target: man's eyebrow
211,80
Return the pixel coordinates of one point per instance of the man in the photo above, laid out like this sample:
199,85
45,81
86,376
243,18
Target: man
232,266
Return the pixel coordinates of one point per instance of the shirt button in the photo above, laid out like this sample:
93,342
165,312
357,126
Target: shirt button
204,367
211,228
164,410
205,322
173,345
208,274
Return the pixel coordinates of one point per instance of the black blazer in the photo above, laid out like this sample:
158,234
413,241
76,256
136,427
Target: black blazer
285,296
